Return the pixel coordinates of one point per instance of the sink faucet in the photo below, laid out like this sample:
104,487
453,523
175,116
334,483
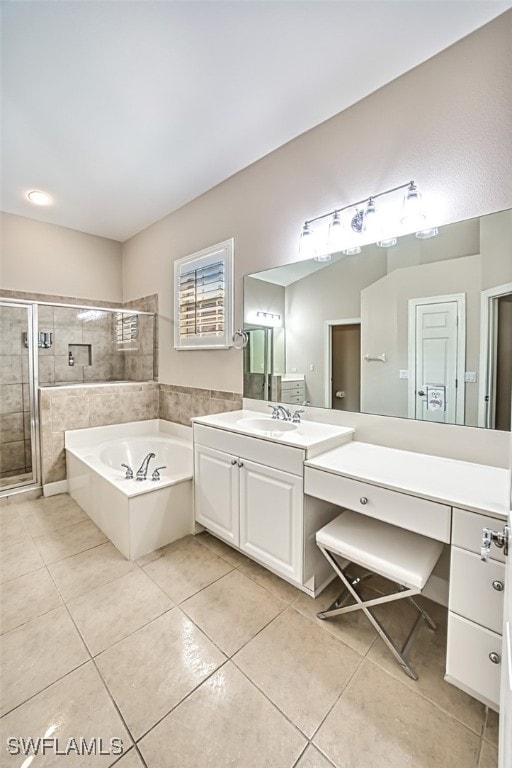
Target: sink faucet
143,469
296,416
280,412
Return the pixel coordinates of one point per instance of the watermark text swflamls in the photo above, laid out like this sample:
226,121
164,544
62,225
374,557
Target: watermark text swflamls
81,746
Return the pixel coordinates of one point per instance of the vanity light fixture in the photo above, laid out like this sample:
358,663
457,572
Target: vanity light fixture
425,234
270,318
369,221
39,198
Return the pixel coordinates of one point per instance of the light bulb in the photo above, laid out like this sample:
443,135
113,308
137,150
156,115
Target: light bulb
389,243
412,210
323,257
307,244
352,251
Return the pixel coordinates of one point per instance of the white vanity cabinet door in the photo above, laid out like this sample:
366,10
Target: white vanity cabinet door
473,659
476,589
271,518
217,493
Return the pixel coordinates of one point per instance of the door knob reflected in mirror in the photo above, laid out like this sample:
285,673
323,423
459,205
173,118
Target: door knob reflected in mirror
421,393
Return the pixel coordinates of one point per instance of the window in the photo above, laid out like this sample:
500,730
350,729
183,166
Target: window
203,300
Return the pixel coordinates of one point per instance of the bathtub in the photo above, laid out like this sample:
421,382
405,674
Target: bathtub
137,516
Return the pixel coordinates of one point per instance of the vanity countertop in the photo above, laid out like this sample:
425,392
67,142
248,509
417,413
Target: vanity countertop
475,487
311,436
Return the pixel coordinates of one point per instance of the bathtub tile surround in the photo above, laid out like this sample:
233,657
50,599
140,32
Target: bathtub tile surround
314,700
181,404
78,407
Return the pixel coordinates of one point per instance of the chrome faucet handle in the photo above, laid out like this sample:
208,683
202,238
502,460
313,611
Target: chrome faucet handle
296,415
275,411
129,472
156,473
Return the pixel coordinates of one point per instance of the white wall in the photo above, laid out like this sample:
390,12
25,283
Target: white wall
44,258
447,124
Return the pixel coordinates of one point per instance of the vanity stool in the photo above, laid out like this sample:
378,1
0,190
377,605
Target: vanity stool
401,556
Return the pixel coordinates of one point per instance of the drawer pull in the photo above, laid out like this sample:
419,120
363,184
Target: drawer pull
240,463
363,500
495,657
497,585
233,462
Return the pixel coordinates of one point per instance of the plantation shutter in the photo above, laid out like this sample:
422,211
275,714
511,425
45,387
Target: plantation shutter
203,298
126,329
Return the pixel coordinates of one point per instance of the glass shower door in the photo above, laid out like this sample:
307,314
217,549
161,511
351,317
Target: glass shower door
19,449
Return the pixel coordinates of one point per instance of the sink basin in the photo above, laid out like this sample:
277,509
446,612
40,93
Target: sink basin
267,425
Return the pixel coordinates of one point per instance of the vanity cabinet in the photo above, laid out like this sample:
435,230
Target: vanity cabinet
254,506
473,660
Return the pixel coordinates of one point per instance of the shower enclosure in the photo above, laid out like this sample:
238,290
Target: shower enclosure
47,344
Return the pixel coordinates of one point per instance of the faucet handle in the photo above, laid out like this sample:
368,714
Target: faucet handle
129,472
156,473
296,415
275,411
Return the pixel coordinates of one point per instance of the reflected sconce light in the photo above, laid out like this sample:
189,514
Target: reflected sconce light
368,222
268,318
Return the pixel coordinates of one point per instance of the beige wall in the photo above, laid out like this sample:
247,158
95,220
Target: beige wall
446,124
44,258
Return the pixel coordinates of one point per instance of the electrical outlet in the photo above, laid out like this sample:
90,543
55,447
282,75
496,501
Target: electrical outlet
404,373
470,377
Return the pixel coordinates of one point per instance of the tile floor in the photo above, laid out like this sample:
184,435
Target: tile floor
194,656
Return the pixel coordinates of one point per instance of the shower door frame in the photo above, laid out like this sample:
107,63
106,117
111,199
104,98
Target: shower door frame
33,383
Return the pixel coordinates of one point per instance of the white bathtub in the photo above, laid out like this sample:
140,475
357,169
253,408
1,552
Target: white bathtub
137,516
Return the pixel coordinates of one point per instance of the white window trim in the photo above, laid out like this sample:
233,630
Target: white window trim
222,251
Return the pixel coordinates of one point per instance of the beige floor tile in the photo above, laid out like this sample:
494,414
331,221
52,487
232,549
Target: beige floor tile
232,555
488,756
151,671
312,758
130,760
57,545
37,654
50,514
12,529
491,729
226,723
81,573
109,613
25,598
78,706
299,667
186,568
428,659
380,722
19,559
353,628
233,610
270,581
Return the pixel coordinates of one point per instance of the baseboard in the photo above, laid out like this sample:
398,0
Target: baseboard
52,489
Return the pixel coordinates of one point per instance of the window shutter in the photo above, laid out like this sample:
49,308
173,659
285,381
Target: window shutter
203,298
126,329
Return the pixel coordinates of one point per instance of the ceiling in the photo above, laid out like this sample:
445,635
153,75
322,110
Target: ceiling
124,111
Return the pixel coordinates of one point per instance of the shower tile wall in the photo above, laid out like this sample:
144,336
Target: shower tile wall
15,445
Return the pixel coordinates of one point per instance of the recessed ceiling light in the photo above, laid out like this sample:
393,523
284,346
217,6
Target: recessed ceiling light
39,198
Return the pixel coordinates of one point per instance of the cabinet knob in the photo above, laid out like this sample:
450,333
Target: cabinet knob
495,657
363,500
240,463
498,585
234,461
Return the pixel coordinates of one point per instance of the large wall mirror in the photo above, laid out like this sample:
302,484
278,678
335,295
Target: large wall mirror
420,330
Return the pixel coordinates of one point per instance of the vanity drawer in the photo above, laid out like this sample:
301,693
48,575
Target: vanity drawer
467,531
420,515
472,594
283,457
468,661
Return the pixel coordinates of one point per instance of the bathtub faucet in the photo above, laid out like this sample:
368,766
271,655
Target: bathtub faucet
143,469
129,472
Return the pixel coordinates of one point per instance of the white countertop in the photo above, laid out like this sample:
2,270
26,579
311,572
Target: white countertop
311,436
475,487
